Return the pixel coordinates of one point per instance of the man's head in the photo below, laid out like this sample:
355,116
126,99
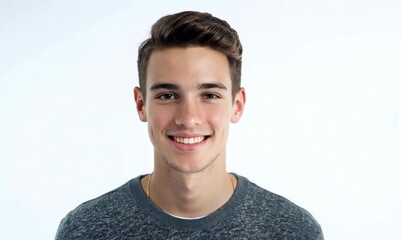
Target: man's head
190,72
191,29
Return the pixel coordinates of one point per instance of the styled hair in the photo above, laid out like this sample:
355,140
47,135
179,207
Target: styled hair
188,29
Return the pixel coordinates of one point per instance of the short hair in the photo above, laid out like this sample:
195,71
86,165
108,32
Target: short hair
188,29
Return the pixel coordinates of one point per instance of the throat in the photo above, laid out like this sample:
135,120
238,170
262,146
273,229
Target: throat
190,197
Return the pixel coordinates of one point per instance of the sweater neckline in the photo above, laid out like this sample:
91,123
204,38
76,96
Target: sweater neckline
226,211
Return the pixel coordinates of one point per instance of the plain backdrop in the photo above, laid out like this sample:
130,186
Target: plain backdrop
322,125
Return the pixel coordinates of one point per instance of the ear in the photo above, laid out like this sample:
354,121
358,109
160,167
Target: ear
238,106
140,104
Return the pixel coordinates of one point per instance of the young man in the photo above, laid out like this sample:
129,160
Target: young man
190,90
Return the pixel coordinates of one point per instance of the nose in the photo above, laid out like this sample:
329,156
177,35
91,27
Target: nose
189,114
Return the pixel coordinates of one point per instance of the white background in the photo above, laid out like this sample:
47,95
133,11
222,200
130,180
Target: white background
322,124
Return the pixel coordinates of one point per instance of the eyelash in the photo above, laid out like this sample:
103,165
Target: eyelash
172,96
164,95
211,96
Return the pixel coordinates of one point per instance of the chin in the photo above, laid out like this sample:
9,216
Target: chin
189,168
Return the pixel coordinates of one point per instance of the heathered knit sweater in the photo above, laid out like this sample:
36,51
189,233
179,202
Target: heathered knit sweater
127,213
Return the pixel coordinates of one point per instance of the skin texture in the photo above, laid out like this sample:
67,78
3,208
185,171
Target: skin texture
188,99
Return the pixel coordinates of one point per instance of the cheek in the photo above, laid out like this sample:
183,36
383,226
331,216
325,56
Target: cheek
219,118
159,118
157,123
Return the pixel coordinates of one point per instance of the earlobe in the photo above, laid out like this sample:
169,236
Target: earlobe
238,106
140,104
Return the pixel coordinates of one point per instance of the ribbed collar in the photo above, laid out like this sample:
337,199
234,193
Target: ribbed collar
223,213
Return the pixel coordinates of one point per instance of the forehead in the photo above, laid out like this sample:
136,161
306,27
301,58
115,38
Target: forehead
191,65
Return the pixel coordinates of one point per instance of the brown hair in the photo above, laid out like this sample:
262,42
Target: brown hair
185,29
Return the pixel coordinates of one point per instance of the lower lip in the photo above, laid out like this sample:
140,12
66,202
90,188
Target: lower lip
188,147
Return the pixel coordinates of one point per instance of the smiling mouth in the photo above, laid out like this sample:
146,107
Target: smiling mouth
186,140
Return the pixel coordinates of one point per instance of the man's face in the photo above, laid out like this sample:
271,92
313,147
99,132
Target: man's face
189,107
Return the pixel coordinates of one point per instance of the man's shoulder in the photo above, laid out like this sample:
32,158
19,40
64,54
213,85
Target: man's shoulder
270,200
105,210
105,202
277,212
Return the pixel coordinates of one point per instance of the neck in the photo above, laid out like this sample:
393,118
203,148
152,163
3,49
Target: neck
189,194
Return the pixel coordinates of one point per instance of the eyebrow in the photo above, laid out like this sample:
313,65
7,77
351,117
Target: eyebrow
170,86
211,85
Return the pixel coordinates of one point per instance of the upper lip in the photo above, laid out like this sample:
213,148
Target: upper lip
187,135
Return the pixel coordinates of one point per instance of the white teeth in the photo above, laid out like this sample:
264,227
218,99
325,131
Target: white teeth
189,140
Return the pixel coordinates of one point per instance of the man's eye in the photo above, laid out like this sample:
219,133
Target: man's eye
211,96
166,96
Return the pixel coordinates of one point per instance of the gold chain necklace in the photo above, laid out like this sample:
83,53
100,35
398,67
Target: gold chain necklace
150,179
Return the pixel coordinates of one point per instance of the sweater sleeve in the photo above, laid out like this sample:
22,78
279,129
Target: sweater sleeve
61,230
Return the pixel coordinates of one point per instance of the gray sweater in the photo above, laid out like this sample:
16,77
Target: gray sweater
127,213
